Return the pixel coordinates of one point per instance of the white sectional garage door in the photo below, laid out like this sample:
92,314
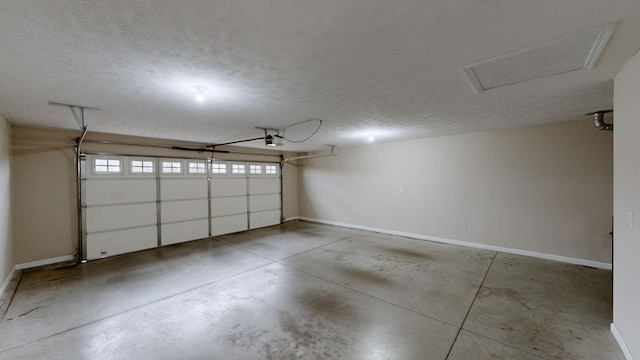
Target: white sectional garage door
136,203
229,210
264,195
119,206
184,200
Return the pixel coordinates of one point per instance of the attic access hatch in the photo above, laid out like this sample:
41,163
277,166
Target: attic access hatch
576,52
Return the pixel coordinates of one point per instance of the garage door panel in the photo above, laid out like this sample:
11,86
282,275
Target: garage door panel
264,185
264,202
120,216
228,206
184,231
265,218
228,224
228,186
121,191
189,188
183,210
119,242
123,203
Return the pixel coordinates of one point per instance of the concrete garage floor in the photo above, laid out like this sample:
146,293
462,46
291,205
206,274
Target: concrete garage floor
309,291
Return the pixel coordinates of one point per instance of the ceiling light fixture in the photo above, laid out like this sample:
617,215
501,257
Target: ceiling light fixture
200,93
372,139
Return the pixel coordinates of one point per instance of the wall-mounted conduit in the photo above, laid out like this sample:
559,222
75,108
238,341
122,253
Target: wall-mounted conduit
598,119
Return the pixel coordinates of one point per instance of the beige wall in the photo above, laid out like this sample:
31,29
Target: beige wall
546,189
6,248
626,292
43,190
44,184
290,190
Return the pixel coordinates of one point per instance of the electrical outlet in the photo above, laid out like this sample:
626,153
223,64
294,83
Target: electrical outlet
401,190
630,214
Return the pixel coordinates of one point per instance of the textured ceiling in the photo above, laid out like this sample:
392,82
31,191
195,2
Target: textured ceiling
388,69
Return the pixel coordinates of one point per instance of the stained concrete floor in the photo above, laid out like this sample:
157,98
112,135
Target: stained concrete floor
310,291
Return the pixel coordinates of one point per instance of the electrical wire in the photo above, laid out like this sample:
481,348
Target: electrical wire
298,123
236,142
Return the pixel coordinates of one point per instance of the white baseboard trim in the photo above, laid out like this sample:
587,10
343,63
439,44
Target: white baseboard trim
623,346
292,218
565,259
43,262
7,280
